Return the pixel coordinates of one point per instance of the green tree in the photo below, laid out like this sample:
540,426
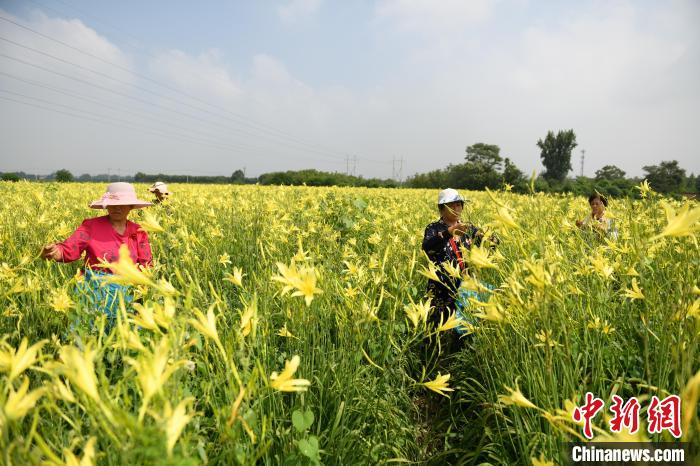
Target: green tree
481,169
238,176
10,177
487,155
512,174
63,176
610,172
556,154
667,177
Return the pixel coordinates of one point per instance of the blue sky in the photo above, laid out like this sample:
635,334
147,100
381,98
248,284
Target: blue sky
210,87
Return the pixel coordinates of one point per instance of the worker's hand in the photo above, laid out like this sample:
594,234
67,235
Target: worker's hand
600,226
52,251
458,229
579,223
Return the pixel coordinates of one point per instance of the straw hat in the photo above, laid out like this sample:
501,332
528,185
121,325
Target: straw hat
160,187
119,194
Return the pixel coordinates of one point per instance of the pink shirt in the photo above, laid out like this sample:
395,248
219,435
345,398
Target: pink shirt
98,238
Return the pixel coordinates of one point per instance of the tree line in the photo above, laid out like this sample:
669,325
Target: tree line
299,177
485,167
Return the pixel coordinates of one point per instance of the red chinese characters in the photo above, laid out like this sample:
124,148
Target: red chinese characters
661,415
588,412
626,415
665,415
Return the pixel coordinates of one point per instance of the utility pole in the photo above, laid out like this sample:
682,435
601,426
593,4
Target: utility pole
583,156
347,164
397,169
354,165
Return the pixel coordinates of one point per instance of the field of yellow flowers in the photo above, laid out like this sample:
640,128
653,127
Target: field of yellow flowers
287,325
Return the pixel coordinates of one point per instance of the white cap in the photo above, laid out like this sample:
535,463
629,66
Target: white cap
449,195
160,187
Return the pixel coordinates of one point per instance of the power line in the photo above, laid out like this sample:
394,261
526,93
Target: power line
106,105
120,123
248,122
106,89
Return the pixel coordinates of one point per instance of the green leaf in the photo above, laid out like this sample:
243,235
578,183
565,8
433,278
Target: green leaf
360,203
309,448
302,421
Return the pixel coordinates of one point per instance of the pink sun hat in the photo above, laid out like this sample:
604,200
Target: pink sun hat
119,194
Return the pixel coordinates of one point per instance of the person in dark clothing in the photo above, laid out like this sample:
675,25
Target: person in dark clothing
443,241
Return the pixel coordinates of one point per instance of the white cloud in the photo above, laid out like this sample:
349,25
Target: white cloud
205,75
297,10
433,17
57,57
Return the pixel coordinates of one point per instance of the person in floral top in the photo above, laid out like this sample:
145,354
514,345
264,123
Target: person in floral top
444,241
598,221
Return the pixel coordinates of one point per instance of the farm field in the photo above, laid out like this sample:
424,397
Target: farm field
287,325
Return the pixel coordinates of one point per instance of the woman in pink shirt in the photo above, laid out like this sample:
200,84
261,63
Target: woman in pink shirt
100,238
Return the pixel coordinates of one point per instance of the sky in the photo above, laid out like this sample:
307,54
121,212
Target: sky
384,88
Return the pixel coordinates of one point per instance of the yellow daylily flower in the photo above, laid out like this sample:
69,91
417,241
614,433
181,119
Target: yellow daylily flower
419,312
19,402
545,339
439,384
60,301
283,332
689,401
152,371
284,381
236,277
504,218
683,223
249,318
450,323
644,189
491,310
145,316
635,292
515,397
430,272
541,461
206,325
88,458
125,272
79,367
14,362
62,391
479,257
149,222
175,422
694,309
302,279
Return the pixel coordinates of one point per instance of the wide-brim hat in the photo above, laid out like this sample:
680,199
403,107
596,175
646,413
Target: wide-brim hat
449,195
119,194
160,187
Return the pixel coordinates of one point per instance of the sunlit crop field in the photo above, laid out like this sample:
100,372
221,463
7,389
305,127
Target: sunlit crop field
287,325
